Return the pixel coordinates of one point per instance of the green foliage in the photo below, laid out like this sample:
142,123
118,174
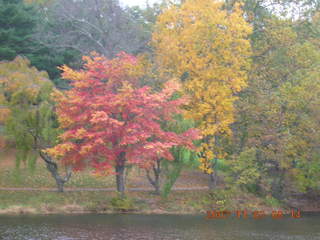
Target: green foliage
145,16
48,59
19,23
31,121
182,156
220,164
220,198
16,176
39,2
271,201
122,203
32,161
244,171
277,113
27,157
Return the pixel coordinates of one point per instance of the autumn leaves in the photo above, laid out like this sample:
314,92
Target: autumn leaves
110,118
210,45
113,123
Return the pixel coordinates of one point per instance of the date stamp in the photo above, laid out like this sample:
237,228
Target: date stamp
244,214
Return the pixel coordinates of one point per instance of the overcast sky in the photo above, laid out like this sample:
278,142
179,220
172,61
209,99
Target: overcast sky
140,3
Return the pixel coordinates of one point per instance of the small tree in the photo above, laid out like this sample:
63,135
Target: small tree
109,121
182,157
28,113
170,171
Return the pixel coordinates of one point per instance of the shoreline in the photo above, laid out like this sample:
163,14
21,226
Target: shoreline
20,210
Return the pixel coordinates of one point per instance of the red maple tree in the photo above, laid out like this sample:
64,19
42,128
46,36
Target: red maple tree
110,121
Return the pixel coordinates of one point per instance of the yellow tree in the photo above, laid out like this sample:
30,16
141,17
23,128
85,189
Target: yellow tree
207,48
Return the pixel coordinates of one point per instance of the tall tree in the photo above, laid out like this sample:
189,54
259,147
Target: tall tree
19,23
109,121
93,25
207,48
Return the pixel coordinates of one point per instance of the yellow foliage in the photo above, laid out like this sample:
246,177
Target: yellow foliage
61,149
19,84
85,149
208,49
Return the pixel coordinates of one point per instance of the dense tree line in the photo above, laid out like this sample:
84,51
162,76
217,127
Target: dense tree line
248,77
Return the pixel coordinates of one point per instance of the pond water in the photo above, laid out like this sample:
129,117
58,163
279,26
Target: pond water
154,227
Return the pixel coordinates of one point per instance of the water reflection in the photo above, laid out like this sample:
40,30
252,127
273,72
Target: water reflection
162,227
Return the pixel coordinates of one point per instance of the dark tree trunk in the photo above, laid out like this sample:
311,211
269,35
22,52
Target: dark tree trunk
53,169
213,177
60,185
156,181
120,174
277,186
213,180
120,178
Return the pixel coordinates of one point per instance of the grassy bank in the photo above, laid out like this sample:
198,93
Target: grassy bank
39,176
179,202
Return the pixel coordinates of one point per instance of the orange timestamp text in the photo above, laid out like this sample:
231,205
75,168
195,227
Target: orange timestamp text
244,214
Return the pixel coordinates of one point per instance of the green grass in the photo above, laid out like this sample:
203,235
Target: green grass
273,202
142,202
77,202
41,178
178,202
47,202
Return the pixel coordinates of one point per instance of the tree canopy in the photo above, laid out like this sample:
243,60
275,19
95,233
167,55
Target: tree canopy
208,49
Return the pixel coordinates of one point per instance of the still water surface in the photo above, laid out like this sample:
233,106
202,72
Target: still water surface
157,227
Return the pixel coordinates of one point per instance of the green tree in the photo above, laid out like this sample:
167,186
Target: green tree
19,26
164,174
17,22
243,171
30,119
183,158
273,111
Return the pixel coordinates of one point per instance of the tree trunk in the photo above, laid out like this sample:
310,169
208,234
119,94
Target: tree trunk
277,185
120,178
53,169
156,181
60,185
120,174
213,179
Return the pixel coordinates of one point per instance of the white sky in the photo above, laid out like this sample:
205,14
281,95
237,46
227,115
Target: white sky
140,3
